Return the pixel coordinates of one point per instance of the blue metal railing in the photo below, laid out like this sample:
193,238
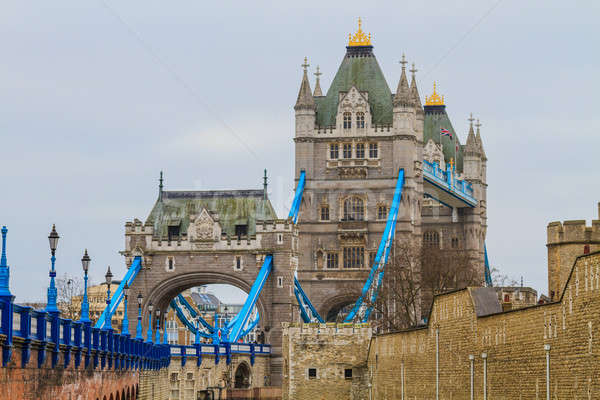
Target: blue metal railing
448,181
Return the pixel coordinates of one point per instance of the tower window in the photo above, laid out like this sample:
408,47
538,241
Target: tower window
360,150
312,373
373,151
279,238
348,373
241,230
360,120
170,263
431,239
354,257
334,151
455,243
238,263
354,209
173,232
347,120
347,150
280,281
382,212
324,213
332,260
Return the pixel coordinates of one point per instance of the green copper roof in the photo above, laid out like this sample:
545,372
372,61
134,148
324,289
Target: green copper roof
358,69
436,119
233,207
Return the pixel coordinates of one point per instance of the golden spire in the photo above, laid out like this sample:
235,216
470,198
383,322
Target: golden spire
435,99
359,38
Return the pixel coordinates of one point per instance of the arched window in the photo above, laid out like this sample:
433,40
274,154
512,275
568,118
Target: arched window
354,209
347,120
360,120
431,239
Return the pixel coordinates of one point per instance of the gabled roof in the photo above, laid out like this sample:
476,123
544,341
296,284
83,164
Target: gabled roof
358,68
233,207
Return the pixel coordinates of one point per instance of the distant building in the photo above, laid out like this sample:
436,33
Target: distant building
97,300
513,297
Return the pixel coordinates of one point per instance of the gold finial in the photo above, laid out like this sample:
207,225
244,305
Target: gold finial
318,73
435,99
451,163
359,38
306,64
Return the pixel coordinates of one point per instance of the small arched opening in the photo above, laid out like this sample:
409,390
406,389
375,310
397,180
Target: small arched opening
242,376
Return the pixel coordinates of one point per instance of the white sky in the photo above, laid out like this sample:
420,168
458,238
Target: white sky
97,96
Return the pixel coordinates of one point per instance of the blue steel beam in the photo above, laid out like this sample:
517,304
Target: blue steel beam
364,305
193,313
486,271
294,210
132,272
244,314
181,316
307,310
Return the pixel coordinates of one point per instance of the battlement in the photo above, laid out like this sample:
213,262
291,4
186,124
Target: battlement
574,231
329,329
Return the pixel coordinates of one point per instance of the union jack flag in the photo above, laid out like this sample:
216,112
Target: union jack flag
445,132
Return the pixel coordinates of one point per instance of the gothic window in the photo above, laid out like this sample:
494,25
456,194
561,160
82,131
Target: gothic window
347,147
373,153
324,213
431,239
334,151
455,243
354,257
347,120
354,209
360,150
332,260
360,120
382,212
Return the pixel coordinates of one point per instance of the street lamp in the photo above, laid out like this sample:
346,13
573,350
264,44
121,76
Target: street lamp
149,333
108,277
53,240
125,323
85,305
138,329
157,326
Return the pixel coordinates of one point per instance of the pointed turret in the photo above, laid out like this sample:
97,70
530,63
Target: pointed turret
403,95
305,98
318,92
471,146
479,141
414,92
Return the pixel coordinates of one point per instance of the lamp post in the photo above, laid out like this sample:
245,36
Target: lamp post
157,326
53,240
149,333
85,305
138,329
125,323
108,323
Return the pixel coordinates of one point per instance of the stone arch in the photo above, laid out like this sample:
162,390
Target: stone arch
117,396
161,294
335,303
242,376
123,394
111,397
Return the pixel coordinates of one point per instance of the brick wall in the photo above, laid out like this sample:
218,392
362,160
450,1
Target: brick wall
46,383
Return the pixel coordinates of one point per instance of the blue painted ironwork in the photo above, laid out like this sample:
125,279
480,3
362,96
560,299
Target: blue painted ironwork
85,305
294,210
108,324
6,303
51,304
364,305
308,312
4,269
138,328
130,276
447,181
149,332
487,273
125,323
157,340
244,314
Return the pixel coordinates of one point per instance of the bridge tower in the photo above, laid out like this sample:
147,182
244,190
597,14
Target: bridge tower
351,143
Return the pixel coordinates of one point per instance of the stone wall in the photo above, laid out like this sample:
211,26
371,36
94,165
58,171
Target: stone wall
186,382
47,383
507,350
330,349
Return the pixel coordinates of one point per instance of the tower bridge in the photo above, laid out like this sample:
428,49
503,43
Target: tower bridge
372,168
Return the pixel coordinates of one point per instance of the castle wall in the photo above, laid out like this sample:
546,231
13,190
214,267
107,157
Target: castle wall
511,347
565,242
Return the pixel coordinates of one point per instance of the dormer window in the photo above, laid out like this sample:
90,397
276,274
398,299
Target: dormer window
360,120
173,232
241,230
347,120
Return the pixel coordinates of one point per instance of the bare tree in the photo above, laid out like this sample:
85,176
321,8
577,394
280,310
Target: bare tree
413,275
502,280
69,287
